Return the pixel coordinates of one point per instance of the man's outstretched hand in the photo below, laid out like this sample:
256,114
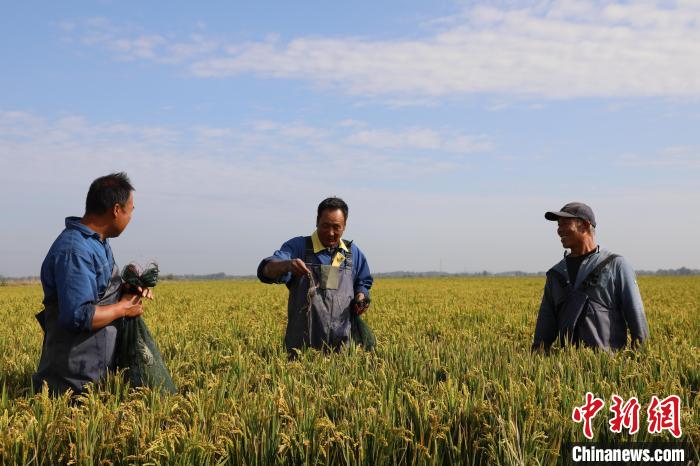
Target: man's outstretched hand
298,268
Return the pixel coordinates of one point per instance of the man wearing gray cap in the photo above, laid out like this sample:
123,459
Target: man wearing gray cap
591,295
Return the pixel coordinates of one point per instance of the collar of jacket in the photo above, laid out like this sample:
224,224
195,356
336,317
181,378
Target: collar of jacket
318,245
587,265
73,223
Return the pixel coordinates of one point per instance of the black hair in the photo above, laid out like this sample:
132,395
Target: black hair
106,191
332,203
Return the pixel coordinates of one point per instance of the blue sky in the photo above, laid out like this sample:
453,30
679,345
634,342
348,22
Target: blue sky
450,127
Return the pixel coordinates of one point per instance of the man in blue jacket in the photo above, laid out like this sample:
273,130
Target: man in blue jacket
328,279
83,291
591,295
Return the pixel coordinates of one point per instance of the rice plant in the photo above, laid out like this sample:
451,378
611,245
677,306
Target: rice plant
451,381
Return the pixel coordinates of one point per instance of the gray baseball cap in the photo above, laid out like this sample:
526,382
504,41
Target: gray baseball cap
572,210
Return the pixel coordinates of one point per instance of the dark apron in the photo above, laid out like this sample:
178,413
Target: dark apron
321,318
71,359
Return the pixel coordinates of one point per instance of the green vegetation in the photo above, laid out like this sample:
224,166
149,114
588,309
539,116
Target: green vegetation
451,381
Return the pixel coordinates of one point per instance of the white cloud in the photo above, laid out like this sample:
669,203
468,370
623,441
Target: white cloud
130,42
676,156
204,132
220,198
691,152
350,123
242,181
66,26
421,139
558,49
497,106
291,147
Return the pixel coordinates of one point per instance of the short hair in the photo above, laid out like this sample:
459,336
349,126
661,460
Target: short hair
106,191
332,203
591,228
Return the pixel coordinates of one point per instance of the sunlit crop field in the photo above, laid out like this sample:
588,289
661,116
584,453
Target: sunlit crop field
452,380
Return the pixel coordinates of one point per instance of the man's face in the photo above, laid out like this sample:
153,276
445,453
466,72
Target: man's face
330,227
122,215
571,231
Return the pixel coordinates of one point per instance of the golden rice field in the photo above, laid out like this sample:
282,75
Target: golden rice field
452,380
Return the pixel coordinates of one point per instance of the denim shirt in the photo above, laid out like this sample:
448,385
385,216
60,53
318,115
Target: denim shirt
295,248
75,273
617,304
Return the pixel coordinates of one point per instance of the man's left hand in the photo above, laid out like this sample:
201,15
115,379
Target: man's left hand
361,304
144,292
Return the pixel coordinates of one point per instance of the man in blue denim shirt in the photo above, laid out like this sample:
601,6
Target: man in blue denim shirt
328,279
82,291
591,296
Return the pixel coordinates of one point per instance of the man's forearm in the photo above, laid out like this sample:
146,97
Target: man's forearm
274,268
105,315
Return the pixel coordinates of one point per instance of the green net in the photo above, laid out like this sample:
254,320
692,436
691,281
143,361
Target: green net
138,354
361,333
136,349
133,277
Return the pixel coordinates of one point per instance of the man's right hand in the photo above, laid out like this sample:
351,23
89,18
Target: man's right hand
275,268
131,305
298,268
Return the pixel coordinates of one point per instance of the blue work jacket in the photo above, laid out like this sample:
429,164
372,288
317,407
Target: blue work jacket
615,304
295,248
75,273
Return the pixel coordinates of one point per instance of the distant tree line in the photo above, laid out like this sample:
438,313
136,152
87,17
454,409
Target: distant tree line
211,276
4,281
681,271
484,273
520,273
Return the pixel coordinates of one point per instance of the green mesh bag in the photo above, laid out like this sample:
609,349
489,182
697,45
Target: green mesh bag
138,354
361,333
133,276
136,349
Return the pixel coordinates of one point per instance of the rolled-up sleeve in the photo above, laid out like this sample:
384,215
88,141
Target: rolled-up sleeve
289,250
630,302
363,278
76,289
546,326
